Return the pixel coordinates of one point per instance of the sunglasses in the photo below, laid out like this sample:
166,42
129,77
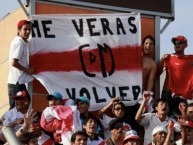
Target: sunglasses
19,98
118,126
178,42
117,109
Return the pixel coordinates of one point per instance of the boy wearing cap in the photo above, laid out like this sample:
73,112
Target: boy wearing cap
55,98
19,69
159,135
189,133
15,117
162,135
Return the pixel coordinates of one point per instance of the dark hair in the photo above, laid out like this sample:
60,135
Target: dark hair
73,137
26,137
190,105
148,37
87,119
121,103
157,102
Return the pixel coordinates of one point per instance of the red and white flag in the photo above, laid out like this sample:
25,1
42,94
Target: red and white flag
62,121
97,56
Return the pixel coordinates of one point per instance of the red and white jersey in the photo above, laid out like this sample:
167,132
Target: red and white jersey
96,141
44,139
180,79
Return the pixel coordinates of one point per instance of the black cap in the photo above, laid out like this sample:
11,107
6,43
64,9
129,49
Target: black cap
113,122
22,94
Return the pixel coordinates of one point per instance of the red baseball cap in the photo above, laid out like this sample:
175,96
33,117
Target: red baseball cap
22,22
22,94
189,124
179,38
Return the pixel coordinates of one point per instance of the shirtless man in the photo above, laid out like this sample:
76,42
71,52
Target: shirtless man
149,65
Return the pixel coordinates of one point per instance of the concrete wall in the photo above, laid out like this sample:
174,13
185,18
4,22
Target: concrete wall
8,30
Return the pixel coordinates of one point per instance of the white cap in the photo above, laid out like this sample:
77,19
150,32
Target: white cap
132,134
159,129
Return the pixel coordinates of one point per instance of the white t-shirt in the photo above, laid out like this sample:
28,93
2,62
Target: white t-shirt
105,122
19,49
150,121
11,116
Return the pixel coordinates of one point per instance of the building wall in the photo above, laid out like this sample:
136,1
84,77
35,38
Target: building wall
8,31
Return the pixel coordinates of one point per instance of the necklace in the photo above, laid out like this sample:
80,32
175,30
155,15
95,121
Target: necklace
111,141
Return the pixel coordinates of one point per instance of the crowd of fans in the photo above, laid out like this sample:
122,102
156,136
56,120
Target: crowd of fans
74,124
164,121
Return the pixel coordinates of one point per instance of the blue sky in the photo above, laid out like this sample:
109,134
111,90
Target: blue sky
182,25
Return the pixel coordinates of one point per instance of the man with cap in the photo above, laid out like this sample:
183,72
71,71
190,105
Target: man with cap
131,138
162,135
83,104
19,69
189,133
159,134
117,132
177,66
15,117
55,98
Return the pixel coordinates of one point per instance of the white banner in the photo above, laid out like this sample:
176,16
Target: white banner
97,56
